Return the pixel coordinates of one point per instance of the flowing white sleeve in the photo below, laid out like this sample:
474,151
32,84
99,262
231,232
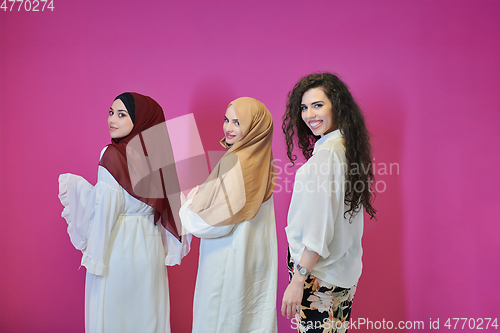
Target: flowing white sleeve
77,196
194,224
317,197
175,250
91,212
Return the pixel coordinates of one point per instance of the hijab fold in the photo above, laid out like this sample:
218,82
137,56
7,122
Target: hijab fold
143,163
244,178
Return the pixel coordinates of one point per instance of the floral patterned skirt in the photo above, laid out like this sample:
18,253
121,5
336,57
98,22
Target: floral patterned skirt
325,308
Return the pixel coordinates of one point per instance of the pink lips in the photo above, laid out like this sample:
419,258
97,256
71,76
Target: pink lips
230,136
111,128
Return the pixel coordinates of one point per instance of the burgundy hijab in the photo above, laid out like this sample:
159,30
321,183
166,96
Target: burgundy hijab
146,113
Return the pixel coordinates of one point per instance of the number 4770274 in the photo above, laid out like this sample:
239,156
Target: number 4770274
471,323
27,5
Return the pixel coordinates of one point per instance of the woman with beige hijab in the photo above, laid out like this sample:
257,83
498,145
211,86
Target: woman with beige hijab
233,214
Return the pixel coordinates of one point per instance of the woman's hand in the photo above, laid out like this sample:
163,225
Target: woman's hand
183,199
292,298
192,193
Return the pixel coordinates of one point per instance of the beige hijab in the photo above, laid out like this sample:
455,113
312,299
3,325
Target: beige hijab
244,178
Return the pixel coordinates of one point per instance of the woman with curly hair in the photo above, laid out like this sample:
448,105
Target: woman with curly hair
325,218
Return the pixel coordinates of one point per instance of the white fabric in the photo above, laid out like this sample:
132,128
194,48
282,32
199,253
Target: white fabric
237,273
126,287
316,215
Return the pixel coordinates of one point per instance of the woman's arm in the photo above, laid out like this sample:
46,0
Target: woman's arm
195,225
292,298
315,202
108,205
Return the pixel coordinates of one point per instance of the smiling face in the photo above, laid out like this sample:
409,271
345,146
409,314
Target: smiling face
231,127
317,111
119,121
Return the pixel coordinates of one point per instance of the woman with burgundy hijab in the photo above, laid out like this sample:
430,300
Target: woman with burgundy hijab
124,225
233,214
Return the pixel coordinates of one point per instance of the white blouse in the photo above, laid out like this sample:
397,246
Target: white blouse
316,215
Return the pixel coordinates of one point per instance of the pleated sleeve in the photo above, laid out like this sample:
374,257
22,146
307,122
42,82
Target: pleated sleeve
91,212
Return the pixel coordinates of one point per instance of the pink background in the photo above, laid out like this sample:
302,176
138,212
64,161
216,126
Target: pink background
426,74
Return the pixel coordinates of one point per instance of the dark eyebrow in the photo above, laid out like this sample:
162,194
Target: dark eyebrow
111,109
313,103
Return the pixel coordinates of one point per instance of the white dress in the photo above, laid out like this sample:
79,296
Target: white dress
125,253
237,273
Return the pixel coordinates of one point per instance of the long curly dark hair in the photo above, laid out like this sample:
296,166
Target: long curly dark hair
348,117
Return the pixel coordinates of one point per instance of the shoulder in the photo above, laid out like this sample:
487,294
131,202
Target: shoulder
110,157
102,152
331,149
106,181
332,145
110,153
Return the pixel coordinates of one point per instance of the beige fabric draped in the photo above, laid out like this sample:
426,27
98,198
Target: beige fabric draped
245,176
